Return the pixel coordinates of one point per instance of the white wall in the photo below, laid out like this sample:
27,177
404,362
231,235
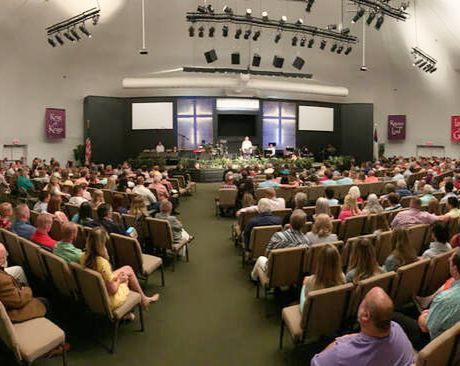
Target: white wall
35,76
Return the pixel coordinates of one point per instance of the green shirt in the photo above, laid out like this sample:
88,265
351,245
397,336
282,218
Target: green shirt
67,251
444,310
24,183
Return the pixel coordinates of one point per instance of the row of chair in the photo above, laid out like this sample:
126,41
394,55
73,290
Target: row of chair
72,281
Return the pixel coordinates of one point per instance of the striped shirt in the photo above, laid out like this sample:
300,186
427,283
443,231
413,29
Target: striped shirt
288,239
444,310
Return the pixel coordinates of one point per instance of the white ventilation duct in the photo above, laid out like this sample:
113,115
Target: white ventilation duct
238,85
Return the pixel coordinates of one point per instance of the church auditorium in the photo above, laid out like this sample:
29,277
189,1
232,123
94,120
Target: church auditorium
225,182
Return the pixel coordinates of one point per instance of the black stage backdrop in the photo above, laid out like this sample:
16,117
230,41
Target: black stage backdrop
108,124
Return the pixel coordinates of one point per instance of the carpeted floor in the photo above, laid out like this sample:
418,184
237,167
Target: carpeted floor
208,313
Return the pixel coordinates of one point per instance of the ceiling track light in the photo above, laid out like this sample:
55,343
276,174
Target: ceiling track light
238,33
334,47
282,25
309,5
248,13
359,14
340,49
294,41
201,32
348,50
51,42
385,7
311,42
424,61
371,16
227,10
302,42
277,37
225,31
247,34
323,44
211,32
256,35
191,31
245,71
379,22
70,28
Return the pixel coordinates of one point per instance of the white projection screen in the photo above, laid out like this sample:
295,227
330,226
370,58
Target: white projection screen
152,116
316,118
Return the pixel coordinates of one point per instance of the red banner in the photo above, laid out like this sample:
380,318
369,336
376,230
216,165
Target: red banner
55,123
455,129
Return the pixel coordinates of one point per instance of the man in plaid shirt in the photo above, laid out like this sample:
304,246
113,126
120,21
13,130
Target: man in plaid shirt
292,237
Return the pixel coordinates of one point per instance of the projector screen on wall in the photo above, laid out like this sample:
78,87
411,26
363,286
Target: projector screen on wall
316,119
152,116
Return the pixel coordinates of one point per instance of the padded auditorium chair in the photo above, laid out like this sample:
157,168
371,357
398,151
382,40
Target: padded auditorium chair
238,227
94,293
31,339
347,250
283,269
60,274
161,237
11,242
443,350
313,321
260,236
437,273
311,255
226,199
34,260
351,227
418,236
384,246
128,253
408,282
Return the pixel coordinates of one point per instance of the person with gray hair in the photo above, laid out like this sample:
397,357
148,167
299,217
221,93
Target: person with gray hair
401,189
290,238
373,205
264,218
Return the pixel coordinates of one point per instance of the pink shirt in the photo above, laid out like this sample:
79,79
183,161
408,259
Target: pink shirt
413,217
344,214
371,179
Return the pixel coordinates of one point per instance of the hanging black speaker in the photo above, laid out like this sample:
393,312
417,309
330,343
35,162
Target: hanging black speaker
298,63
256,59
235,58
278,62
211,56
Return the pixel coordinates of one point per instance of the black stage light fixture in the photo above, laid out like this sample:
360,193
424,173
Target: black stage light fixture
225,31
345,31
298,63
299,22
228,10
334,47
294,41
96,19
309,5
211,56
235,58
371,16
248,13
84,30
422,64
433,70
379,22
302,42
264,16
75,34
278,62
238,33
211,31
358,15
58,38
201,9
256,59
51,42
311,42
256,35
340,49
348,50
210,9
68,36
201,32
277,37
418,62
283,19
247,34
323,44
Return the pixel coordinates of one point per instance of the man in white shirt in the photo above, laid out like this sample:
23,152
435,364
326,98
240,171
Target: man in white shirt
16,271
272,150
160,148
274,202
246,147
149,198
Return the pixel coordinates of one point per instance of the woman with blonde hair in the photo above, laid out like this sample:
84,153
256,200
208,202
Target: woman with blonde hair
355,193
322,207
119,282
363,262
321,231
404,253
327,273
54,188
138,207
349,208
111,184
97,198
373,205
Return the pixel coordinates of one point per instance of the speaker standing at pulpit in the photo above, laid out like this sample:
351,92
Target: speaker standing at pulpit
246,148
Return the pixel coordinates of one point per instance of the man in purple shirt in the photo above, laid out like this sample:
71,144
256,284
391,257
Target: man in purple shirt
381,342
414,215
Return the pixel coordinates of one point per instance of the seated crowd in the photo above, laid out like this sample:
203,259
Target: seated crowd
47,188
385,333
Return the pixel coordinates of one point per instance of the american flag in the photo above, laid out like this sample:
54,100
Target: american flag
87,151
